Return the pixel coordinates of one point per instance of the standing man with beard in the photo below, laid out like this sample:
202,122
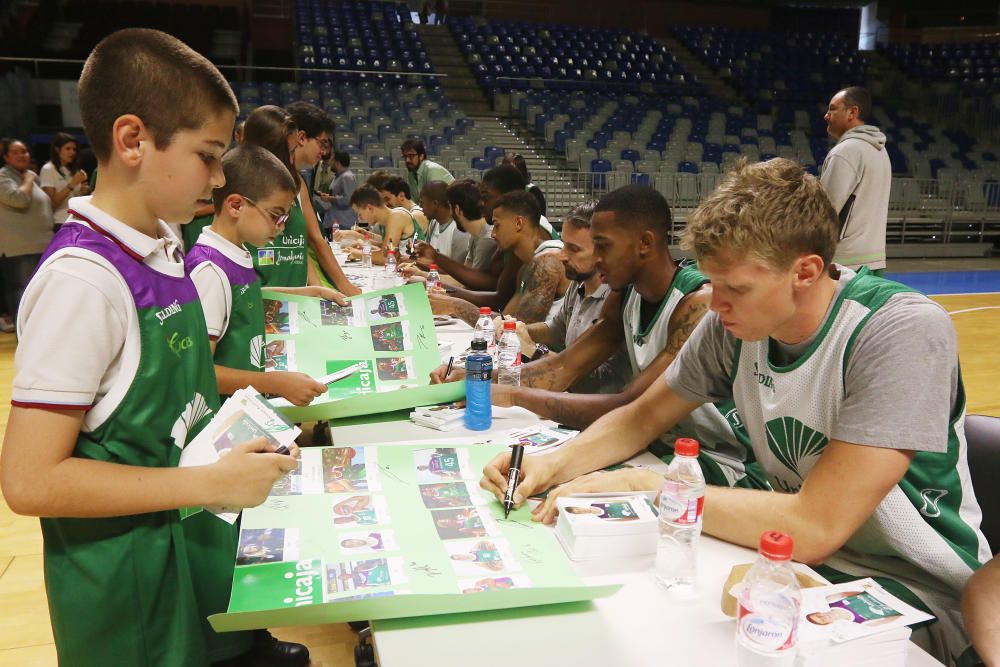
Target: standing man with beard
420,170
857,176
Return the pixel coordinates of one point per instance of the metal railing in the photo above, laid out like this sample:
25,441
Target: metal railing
63,68
920,210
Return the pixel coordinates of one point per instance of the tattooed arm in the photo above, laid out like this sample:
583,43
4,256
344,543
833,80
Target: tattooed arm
558,371
442,304
581,410
544,275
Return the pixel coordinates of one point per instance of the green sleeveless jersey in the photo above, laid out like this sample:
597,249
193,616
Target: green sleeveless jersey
724,456
925,533
146,572
242,343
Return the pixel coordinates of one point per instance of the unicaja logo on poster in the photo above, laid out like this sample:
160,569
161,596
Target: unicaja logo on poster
308,584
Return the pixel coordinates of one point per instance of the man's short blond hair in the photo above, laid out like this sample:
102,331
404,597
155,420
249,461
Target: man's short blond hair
770,211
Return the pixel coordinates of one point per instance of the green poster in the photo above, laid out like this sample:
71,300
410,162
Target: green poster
386,338
377,532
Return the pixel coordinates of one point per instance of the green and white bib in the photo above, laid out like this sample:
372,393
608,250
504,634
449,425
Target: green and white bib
283,262
715,427
925,532
241,345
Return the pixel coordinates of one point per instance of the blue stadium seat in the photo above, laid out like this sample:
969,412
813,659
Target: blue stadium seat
687,167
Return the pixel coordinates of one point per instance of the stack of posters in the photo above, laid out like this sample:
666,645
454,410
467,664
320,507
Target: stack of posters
858,623
607,526
244,416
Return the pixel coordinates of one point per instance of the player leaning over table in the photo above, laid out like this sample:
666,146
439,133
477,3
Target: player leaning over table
654,306
848,386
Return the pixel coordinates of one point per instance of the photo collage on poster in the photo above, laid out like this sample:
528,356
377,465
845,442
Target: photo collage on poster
366,557
390,340
367,562
480,557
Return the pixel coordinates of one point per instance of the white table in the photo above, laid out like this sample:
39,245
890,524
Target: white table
640,625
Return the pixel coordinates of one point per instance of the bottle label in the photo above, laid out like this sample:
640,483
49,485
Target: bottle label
674,507
770,627
479,368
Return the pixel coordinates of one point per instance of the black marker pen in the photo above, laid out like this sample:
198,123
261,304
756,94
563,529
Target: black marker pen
512,474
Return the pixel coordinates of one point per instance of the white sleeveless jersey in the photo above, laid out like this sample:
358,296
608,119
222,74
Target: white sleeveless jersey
925,533
707,424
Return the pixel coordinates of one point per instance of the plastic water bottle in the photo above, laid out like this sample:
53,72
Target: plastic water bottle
390,263
433,278
478,378
768,616
510,355
366,252
485,330
682,500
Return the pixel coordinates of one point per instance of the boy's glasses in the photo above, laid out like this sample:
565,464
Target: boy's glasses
277,218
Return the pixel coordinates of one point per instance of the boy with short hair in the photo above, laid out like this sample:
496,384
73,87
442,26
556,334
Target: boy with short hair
93,440
250,208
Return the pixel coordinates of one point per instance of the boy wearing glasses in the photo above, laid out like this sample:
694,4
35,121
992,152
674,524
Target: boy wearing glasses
252,207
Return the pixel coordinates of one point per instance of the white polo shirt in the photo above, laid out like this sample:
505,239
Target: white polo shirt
78,331
212,283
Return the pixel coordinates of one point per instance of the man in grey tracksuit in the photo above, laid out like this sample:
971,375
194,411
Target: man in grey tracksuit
857,176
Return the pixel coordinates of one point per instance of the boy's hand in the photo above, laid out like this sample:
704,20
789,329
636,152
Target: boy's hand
329,295
247,472
298,388
352,290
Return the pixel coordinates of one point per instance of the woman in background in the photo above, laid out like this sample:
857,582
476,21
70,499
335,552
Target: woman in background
25,221
61,177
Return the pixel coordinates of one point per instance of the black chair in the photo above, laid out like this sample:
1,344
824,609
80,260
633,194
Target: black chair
982,434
